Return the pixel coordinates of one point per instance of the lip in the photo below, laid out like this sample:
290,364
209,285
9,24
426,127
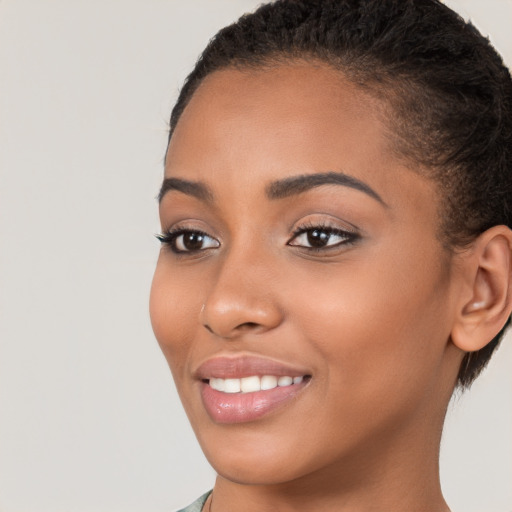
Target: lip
224,367
246,407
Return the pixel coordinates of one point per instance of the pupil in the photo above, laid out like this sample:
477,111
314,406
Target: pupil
193,241
317,238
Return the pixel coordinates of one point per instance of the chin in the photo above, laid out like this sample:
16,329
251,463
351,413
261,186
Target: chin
252,469
252,455
256,454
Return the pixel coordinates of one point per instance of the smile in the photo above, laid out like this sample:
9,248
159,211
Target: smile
243,389
253,383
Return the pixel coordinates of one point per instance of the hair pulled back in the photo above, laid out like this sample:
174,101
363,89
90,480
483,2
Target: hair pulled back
449,93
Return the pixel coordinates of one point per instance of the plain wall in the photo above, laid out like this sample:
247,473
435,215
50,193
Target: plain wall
89,418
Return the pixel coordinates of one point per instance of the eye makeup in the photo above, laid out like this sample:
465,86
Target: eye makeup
182,240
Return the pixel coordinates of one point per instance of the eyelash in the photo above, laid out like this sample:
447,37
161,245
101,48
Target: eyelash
171,237
349,237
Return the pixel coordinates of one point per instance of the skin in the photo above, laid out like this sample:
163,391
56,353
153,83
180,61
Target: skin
371,320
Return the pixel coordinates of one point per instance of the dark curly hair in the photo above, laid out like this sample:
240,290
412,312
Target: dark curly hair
449,93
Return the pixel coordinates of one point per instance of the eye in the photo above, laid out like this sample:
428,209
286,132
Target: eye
188,241
320,237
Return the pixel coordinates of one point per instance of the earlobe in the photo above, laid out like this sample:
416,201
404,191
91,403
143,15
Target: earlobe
486,297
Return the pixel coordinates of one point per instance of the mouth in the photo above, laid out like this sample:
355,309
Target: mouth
254,383
243,389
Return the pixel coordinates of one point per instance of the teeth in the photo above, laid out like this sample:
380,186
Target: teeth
231,386
250,384
253,383
268,382
217,384
284,381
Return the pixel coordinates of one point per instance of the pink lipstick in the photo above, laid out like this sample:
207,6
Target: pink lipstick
242,389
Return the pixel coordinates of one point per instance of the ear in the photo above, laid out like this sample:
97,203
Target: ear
486,295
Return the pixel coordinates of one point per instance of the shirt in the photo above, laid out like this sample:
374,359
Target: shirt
197,506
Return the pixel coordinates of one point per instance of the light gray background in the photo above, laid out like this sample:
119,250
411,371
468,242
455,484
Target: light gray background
89,419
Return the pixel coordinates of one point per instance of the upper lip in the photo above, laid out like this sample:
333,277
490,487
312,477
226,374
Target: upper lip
237,367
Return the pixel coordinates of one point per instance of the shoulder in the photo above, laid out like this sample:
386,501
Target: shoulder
197,506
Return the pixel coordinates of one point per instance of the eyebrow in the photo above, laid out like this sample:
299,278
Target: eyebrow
298,184
280,189
190,188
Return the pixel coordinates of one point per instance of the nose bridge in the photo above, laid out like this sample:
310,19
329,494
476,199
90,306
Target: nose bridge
242,296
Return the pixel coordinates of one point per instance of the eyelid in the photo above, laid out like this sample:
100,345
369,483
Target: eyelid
349,235
170,236
329,230
322,222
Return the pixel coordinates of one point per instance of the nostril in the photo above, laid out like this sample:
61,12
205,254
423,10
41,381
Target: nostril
248,325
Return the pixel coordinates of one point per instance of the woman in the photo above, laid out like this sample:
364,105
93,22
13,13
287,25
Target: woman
336,249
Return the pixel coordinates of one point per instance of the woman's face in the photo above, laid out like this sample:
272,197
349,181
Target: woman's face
297,245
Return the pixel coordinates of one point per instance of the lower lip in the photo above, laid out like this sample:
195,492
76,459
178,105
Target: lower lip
244,407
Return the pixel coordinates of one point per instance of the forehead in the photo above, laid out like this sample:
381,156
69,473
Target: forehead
278,106
314,87
256,126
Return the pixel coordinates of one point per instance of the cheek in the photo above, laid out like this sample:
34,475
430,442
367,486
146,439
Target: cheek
173,309
381,327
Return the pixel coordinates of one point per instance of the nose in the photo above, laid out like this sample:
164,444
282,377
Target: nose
241,300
